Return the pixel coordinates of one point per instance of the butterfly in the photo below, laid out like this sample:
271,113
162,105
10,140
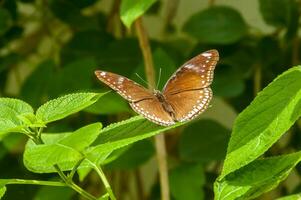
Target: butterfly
186,94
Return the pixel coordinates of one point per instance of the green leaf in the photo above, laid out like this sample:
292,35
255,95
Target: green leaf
186,182
204,141
132,9
255,178
134,156
5,21
265,120
10,112
62,149
270,11
66,105
124,133
218,25
291,197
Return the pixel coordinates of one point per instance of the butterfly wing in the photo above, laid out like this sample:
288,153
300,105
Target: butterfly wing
189,104
152,110
127,88
141,100
188,90
194,74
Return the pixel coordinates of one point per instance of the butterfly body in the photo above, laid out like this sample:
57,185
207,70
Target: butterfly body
185,95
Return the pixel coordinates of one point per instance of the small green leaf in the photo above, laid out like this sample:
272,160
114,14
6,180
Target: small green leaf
255,178
124,133
204,141
218,25
132,9
265,120
10,112
66,105
186,182
63,149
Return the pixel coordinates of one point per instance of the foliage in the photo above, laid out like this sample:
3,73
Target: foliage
67,128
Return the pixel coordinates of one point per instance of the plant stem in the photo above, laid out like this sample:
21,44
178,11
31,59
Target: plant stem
150,75
146,51
104,180
35,182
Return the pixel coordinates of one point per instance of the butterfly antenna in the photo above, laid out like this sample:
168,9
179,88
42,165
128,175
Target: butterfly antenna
142,79
159,79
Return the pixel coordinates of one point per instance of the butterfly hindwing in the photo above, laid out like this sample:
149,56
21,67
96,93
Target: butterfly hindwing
127,88
189,104
196,73
152,110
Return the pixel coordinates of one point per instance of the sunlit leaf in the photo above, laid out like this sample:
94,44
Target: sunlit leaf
66,105
267,118
255,178
132,9
124,133
10,110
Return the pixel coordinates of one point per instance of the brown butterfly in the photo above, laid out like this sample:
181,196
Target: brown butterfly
186,94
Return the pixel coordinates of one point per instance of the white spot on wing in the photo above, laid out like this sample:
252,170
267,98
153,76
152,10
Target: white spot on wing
206,54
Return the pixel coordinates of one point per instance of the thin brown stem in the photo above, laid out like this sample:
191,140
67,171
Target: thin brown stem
150,75
146,51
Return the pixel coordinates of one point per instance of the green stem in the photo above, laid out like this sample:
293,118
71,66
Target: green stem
104,180
70,176
34,182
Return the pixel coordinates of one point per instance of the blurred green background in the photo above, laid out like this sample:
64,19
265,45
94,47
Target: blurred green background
52,47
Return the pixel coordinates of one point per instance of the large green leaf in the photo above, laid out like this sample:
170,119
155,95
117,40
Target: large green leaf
66,105
263,122
11,112
124,133
62,149
255,178
186,182
204,141
218,24
132,9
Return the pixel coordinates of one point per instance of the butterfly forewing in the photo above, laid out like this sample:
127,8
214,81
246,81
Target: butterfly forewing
128,89
197,73
189,104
